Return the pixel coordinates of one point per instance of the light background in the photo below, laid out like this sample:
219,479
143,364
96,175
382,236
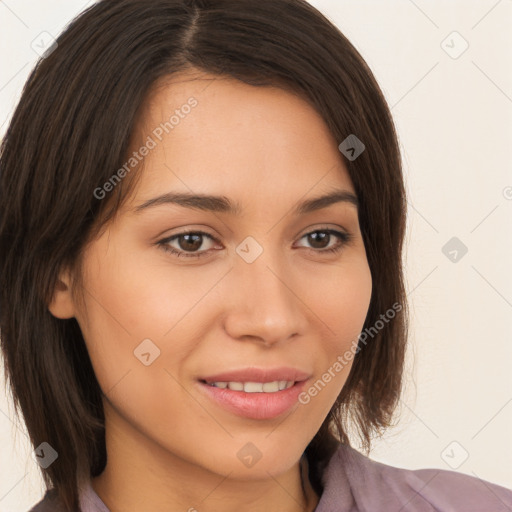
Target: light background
454,119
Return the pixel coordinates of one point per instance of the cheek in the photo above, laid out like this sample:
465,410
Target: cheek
139,295
133,297
344,308
342,303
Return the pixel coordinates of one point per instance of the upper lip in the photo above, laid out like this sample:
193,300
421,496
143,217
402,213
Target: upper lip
258,375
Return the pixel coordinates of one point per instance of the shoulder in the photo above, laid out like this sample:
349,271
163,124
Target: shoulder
89,501
358,483
48,503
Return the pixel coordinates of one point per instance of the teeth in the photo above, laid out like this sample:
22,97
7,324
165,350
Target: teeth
235,386
283,384
255,387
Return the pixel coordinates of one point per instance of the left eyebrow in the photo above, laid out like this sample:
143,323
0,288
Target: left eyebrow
223,204
317,203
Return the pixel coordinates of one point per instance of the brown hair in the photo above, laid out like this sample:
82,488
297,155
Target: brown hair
72,129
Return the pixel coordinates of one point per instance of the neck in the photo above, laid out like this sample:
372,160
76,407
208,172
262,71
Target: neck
141,475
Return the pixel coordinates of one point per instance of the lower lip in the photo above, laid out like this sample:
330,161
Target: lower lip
257,406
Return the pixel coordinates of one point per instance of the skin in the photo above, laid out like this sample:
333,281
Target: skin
171,448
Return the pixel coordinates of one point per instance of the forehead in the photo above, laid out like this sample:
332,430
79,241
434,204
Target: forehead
218,134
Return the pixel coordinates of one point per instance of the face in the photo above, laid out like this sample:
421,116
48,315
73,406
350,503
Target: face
177,293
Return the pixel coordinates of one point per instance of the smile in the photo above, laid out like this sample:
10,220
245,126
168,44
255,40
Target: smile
255,387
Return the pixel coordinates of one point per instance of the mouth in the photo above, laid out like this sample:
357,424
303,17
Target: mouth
253,387
254,376
254,393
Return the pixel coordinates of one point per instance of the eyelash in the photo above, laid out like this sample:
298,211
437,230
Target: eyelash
344,239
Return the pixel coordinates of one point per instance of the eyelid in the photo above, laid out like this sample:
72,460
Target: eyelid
323,227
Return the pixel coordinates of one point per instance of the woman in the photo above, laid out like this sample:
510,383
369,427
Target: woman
203,212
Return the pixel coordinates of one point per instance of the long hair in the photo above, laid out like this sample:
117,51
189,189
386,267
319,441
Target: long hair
71,131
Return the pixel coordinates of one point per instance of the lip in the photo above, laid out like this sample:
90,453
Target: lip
258,406
254,374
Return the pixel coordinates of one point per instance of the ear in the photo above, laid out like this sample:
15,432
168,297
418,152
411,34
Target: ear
62,305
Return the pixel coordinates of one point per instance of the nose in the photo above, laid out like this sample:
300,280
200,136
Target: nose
265,303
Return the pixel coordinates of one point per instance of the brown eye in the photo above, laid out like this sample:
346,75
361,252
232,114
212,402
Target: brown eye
187,244
190,242
320,239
